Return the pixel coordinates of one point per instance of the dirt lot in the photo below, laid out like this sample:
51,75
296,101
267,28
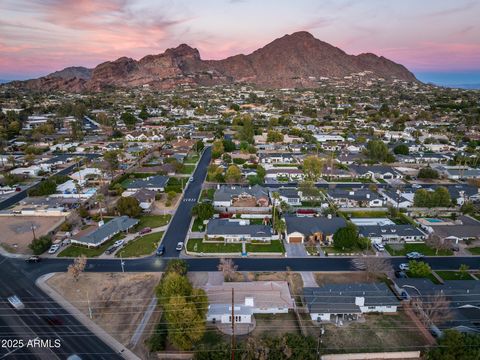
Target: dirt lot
342,277
377,333
274,325
16,231
118,300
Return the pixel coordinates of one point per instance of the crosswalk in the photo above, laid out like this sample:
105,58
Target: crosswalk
189,200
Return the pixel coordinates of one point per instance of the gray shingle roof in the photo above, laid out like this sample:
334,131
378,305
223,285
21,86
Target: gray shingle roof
225,193
400,230
310,225
110,229
157,181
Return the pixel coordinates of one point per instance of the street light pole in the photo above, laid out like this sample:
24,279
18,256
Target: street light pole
122,263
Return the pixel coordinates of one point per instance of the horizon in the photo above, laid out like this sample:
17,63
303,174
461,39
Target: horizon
45,37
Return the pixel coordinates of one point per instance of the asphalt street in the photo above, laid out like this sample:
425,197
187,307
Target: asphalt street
180,223
32,322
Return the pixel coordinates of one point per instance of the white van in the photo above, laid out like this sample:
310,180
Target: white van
379,246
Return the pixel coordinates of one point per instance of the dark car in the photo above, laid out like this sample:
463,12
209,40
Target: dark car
145,230
400,274
160,251
33,259
53,320
110,249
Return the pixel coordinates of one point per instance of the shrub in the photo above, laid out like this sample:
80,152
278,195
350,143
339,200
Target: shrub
40,245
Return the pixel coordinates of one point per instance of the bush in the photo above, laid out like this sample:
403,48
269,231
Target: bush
40,245
129,206
419,269
428,173
345,238
158,340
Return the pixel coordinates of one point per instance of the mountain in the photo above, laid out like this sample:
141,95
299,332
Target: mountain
296,60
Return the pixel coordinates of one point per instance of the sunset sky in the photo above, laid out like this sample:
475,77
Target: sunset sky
41,36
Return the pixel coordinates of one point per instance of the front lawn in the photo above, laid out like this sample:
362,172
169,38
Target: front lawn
403,249
191,159
198,225
274,246
197,245
207,194
365,214
474,250
454,275
77,250
144,245
187,169
153,221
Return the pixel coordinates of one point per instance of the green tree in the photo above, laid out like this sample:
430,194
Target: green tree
233,174
129,206
309,191
441,197
418,269
129,120
422,198
274,136
312,168
377,151
228,145
454,345
177,266
428,173
203,211
345,238
46,187
111,158
246,131
40,245
173,284
401,149
217,149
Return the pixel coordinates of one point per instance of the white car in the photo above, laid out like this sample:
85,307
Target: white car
119,243
179,246
53,249
404,267
15,301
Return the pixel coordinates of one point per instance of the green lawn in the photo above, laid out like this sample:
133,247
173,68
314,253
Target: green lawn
191,159
421,248
153,221
474,250
207,194
144,245
365,214
454,275
197,245
77,250
274,246
197,223
332,250
187,169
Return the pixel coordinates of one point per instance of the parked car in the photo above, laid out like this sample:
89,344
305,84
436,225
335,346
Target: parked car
415,255
190,180
110,249
399,274
118,243
404,267
160,251
53,249
33,259
145,230
179,246
379,247
16,303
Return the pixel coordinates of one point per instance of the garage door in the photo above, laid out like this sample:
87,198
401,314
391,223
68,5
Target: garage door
295,239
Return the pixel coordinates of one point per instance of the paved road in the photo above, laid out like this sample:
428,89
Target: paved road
31,322
179,224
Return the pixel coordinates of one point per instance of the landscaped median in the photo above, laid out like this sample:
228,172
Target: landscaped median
144,245
199,247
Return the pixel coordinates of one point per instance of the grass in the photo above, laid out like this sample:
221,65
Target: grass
187,169
420,247
365,214
332,250
207,194
191,159
144,245
311,250
454,275
274,246
197,245
77,250
474,250
153,221
197,223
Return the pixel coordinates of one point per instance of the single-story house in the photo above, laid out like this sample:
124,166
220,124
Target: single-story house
255,297
391,233
288,195
153,183
300,229
145,198
241,196
355,197
106,231
340,302
376,172
238,230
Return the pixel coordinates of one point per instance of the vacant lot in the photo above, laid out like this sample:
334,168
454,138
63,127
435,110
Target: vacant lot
141,246
347,277
16,231
152,221
117,300
377,333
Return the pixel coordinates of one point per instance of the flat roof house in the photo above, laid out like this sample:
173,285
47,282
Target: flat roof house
340,302
106,231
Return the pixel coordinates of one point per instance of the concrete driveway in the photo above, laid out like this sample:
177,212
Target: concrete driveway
295,250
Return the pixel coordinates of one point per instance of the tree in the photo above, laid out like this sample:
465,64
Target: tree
274,136
129,120
186,326
441,197
377,151
203,211
432,309
428,173
176,266
78,266
309,191
436,242
463,270
345,238
312,168
438,198
128,206
173,284
418,269
228,268
246,131
111,158
199,146
373,266
228,145
40,245
46,187
401,149
454,345
200,299
215,173
217,149
233,174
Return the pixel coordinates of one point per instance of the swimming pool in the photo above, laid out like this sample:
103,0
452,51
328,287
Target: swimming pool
430,220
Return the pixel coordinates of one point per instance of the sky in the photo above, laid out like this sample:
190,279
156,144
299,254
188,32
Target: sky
430,37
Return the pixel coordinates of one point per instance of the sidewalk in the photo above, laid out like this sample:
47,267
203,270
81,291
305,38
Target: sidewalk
82,318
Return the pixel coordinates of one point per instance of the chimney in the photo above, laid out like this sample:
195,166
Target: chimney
359,301
368,196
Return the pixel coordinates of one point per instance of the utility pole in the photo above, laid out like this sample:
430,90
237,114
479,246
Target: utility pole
233,325
122,263
33,231
89,307
321,332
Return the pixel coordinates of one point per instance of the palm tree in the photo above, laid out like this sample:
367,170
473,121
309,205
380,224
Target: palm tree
101,200
276,198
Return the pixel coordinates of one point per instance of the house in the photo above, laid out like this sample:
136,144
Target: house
277,158
235,231
463,297
463,228
391,233
301,229
327,138
145,198
83,174
153,183
360,197
458,172
289,174
241,196
288,195
106,231
255,297
375,172
340,302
